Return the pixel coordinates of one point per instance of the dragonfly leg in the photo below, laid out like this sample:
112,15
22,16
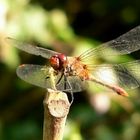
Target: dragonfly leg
67,86
72,97
60,79
70,88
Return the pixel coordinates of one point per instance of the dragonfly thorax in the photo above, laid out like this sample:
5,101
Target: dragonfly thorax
58,62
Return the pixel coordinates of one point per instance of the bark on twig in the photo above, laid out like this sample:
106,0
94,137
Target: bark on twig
56,108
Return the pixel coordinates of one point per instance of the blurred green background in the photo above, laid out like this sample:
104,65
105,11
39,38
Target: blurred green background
69,26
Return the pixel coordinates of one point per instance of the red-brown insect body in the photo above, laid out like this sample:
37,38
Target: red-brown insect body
77,67
58,62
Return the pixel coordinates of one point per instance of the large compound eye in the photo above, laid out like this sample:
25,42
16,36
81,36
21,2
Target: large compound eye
63,61
58,62
55,62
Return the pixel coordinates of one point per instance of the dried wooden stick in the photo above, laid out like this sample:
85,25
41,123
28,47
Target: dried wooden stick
56,108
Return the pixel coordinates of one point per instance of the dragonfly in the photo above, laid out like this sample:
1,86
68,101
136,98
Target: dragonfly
72,73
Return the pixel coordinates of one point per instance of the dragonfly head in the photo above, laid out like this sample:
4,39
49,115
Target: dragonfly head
58,61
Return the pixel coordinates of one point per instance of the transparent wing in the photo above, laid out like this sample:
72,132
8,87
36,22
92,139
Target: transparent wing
35,74
125,75
39,75
125,44
72,82
32,49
